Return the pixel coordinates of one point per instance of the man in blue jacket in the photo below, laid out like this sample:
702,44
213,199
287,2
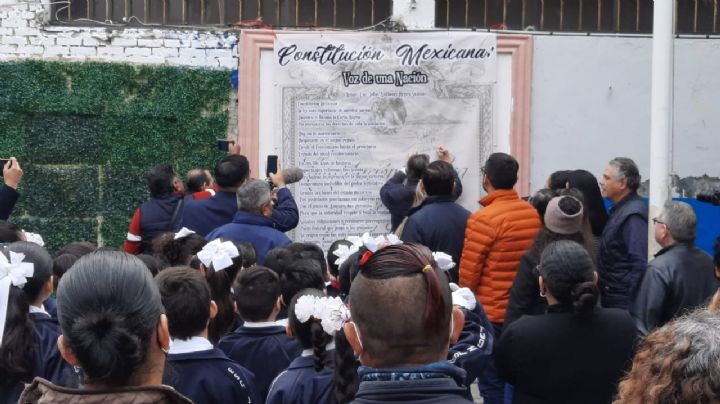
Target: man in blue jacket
438,223
253,221
12,173
204,215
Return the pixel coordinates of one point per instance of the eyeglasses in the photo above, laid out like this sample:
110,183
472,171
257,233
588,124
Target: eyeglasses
656,221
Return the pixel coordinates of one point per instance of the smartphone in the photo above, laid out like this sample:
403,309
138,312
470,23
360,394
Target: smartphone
2,165
271,166
224,144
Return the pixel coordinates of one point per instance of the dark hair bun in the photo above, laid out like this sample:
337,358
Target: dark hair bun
584,296
111,349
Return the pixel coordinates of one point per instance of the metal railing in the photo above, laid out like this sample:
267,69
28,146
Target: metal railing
620,16
261,13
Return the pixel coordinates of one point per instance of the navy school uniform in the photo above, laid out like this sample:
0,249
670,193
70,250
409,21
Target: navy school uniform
266,351
210,377
300,383
474,348
48,363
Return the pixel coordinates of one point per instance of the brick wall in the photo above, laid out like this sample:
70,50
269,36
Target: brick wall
25,34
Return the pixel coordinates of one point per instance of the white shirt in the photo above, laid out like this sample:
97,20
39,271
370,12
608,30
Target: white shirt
251,324
41,309
309,352
194,344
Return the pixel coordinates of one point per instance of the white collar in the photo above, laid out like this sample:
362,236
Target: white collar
282,322
252,324
309,352
41,309
194,344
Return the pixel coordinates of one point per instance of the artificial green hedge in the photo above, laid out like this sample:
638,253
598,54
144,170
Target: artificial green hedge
85,133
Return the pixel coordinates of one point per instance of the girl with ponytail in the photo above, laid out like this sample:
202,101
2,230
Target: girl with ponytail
313,319
577,351
28,347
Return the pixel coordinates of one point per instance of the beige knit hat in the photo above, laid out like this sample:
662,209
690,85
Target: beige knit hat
558,221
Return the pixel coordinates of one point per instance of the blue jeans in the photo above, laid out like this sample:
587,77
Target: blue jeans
492,388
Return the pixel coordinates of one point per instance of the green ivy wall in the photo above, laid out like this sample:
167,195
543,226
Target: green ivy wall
85,133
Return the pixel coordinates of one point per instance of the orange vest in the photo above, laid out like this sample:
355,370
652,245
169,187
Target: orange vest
496,238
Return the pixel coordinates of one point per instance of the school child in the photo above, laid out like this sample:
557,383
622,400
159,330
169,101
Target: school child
220,262
334,288
29,340
313,321
259,344
178,248
298,268
194,367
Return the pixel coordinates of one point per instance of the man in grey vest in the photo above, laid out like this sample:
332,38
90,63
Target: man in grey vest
622,256
680,278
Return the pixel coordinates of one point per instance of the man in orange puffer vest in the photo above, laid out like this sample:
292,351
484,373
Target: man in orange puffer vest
496,238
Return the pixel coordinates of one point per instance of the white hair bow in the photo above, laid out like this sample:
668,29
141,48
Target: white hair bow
13,272
34,238
218,253
184,232
330,311
371,243
463,297
444,261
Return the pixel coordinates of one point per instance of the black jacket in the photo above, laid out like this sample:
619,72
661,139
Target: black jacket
525,292
443,384
8,197
560,357
398,195
438,224
680,278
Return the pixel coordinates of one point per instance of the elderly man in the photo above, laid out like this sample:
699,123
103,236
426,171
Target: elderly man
622,255
204,215
12,173
680,277
253,221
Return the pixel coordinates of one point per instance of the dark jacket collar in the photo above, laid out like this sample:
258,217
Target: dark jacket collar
628,197
242,217
199,355
560,308
436,370
431,200
270,330
680,246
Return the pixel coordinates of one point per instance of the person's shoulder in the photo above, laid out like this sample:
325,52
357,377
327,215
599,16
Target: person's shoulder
229,339
619,317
